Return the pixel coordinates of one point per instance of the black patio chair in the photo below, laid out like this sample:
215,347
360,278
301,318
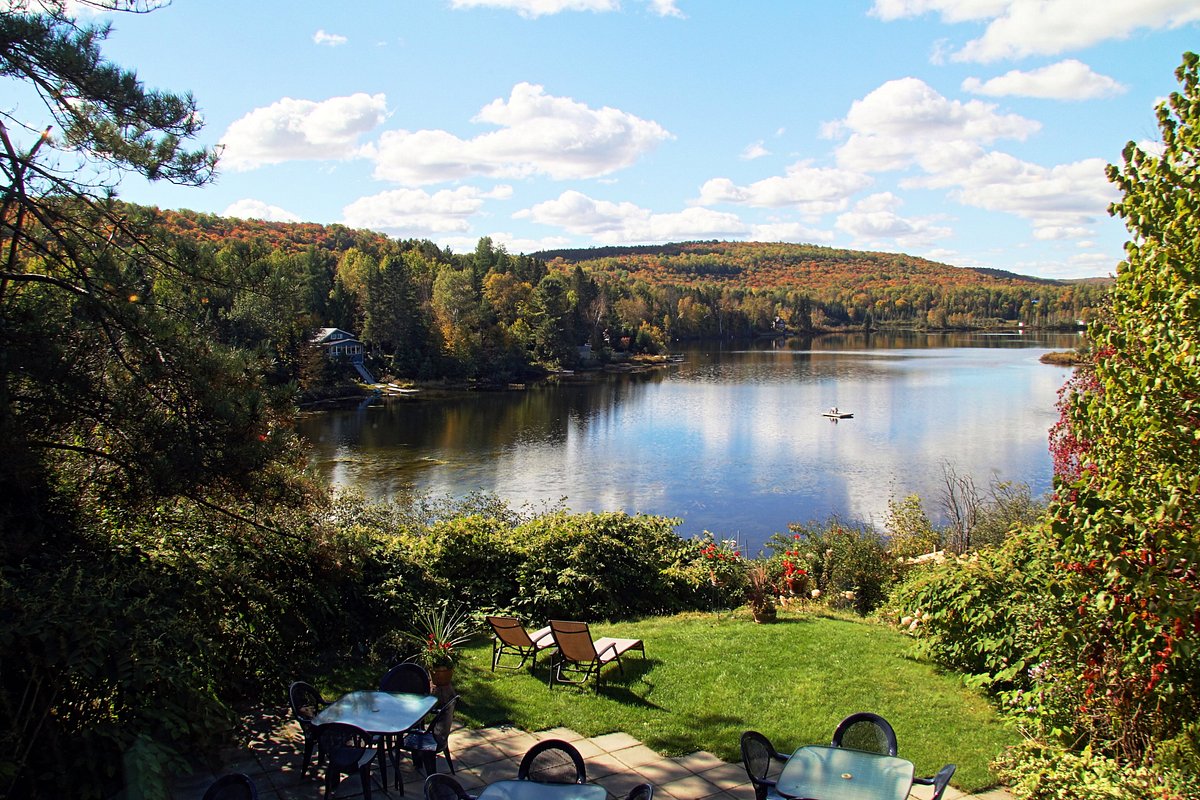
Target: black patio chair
405,678
443,787
347,749
306,701
763,764
939,782
552,761
866,731
425,743
234,786
643,791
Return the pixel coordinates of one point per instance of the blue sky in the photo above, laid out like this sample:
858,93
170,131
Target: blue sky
973,132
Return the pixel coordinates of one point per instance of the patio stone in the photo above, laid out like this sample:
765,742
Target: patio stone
727,776
566,734
693,787
663,771
614,741
699,761
636,755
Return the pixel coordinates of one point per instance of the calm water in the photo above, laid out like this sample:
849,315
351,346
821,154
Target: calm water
731,441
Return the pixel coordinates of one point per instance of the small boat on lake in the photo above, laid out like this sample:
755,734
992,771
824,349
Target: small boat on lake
835,413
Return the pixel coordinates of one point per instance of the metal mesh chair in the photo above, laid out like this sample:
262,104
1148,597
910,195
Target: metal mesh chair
306,701
235,786
406,678
347,749
939,782
643,791
443,787
426,743
552,761
762,764
866,731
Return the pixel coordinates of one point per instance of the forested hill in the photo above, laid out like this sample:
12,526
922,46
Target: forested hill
771,266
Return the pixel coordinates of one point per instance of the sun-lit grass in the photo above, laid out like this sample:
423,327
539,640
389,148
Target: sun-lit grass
707,678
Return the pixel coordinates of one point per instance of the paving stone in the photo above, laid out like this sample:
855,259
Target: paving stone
618,784
692,787
566,734
516,745
481,754
636,755
662,771
587,748
727,776
699,761
614,741
604,764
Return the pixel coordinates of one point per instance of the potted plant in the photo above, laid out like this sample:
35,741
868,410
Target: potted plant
440,631
760,592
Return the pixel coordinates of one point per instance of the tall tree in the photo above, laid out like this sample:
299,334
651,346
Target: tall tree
120,410
1127,527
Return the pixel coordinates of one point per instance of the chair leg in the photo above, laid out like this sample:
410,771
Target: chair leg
364,775
309,743
449,762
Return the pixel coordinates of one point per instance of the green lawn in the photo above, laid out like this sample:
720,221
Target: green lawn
708,678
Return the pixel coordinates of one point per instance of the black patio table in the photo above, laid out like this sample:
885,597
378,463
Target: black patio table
536,790
384,714
841,773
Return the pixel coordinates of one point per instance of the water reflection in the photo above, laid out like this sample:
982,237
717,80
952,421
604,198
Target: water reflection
732,440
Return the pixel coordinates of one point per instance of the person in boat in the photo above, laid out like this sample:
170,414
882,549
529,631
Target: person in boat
833,410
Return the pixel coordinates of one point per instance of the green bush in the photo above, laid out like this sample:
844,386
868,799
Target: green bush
600,566
848,565
1033,771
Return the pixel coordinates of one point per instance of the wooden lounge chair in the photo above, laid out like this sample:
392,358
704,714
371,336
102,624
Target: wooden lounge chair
579,658
511,638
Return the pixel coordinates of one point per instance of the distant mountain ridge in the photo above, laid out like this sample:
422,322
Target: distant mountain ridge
769,265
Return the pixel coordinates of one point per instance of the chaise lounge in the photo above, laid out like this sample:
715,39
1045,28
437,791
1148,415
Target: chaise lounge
579,659
511,638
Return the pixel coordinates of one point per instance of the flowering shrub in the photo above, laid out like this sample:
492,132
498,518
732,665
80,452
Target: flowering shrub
847,565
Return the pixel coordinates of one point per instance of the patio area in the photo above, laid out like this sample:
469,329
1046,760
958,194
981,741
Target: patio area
616,761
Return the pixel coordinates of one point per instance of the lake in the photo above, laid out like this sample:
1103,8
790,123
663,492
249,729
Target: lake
732,440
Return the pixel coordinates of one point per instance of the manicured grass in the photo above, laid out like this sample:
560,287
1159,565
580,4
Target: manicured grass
706,679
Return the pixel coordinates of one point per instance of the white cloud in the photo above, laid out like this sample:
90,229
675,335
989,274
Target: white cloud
329,39
754,150
874,221
291,129
951,10
666,8
537,8
606,222
248,208
1060,201
510,242
1066,80
812,190
788,232
414,212
1018,28
539,134
906,121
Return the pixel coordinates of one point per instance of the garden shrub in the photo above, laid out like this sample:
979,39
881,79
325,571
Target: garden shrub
849,565
985,614
1033,771
598,566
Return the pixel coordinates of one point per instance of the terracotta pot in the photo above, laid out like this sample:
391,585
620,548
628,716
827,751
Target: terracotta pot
441,676
764,614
